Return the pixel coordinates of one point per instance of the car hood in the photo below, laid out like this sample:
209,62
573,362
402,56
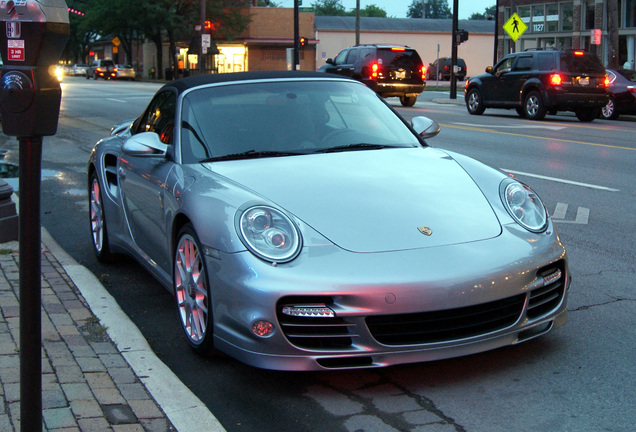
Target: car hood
374,200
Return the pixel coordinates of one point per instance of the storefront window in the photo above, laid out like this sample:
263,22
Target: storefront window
567,17
538,19
524,14
630,13
552,17
589,15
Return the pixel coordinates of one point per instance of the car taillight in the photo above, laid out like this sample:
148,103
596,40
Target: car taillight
632,89
374,70
423,73
556,80
579,53
398,49
446,67
606,81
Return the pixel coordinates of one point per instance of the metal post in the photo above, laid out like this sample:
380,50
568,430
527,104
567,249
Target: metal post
495,49
296,36
453,78
357,22
30,285
201,55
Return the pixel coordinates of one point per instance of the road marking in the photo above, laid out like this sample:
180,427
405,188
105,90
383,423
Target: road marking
555,128
554,179
582,215
486,129
116,100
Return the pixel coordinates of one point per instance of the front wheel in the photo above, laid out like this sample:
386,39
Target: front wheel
192,291
474,102
533,106
99,233
587,114
608,112
408,101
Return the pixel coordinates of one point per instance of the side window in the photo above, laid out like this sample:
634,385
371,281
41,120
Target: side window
341,58
159,116
504,66
523,63
353,56
546,61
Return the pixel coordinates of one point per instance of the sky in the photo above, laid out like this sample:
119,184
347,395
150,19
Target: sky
398,8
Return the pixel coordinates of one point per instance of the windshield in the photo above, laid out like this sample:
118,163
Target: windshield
268,119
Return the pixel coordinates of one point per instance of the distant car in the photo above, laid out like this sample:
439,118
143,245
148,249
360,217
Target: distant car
445,69
389,70
125,72
622,93
537,82
79,69
302,224
101,69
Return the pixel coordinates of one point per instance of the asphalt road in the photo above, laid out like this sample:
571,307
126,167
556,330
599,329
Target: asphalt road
579,378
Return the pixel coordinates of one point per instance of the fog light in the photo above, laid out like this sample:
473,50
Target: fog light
313,311
262,328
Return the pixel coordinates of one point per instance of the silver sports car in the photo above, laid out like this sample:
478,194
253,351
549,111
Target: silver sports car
302,224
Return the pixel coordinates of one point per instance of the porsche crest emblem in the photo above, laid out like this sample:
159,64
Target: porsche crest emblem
425,230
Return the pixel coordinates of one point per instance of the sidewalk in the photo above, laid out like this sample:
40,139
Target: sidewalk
98,372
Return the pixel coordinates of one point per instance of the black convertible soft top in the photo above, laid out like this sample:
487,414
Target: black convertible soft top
186,83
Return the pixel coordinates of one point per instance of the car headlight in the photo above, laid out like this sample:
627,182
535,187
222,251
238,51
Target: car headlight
269,234
524,205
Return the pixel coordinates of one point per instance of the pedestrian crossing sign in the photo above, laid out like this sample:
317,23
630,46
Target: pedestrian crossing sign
515,27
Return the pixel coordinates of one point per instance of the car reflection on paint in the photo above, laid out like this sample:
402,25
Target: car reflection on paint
302,224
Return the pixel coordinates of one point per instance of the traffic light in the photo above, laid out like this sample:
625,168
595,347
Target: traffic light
302,41
461,36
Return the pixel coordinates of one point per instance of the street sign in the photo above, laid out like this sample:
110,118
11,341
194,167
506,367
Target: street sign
515,27
206,42
595,35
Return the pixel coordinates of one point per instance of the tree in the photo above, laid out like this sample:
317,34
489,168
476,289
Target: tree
489,13
369,11
329,8
434,9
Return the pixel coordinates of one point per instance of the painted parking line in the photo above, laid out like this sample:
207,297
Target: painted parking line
582,215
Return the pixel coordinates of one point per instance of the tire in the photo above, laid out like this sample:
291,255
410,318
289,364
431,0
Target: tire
521,112
474,102
192,292
587,115
99,231
408,101
533,106
608,112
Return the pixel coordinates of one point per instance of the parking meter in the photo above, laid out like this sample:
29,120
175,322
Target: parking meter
32,37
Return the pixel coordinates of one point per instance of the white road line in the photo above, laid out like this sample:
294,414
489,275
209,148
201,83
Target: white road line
116,100
483,126
560,211
554,179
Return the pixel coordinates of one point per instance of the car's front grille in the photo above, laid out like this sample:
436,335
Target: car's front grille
314,333
446,325
545,299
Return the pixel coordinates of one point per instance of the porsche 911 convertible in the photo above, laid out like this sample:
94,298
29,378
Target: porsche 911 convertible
303,224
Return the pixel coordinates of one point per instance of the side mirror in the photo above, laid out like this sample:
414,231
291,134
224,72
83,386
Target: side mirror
425,127
145,144
330,61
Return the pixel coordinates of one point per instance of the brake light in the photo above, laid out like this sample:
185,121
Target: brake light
632,89
579,53
397,49
374,70
423,73
556,80
606,81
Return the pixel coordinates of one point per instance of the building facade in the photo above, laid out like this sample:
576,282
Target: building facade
571,24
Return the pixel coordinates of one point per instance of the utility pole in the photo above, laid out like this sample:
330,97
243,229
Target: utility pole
357,22
296,37
453,78
201,54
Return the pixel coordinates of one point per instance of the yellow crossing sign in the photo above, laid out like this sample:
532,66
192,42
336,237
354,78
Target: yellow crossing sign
515,27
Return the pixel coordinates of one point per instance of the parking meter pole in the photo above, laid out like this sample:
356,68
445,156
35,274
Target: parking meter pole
30,285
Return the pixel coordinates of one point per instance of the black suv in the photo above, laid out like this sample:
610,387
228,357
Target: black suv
445,69
389,70
101,69
537,82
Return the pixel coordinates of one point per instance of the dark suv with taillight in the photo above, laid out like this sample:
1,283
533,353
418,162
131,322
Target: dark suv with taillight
537,82
390,70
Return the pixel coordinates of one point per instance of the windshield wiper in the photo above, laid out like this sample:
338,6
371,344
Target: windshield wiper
358,146
251,154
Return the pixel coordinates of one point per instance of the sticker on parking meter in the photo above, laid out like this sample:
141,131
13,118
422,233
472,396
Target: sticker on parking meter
15,50
13,29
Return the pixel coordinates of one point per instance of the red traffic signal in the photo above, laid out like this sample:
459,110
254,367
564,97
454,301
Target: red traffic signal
302,41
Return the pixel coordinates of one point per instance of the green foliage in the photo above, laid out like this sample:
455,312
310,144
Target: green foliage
434,9
329,8
489,13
